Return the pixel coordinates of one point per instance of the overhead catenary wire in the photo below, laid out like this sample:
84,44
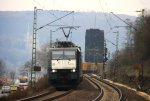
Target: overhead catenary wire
105,14
50,12
123,21
45,8
110,42
109,15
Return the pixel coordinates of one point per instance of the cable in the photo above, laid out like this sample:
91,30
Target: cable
38,4
49,11
105,15
108,31
109,16
72,19
124,21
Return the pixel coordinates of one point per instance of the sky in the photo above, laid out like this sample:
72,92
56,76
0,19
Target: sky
128,7
117,6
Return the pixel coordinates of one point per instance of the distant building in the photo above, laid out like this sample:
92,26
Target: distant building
94,45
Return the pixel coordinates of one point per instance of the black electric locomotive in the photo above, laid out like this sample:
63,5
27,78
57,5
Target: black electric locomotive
64,64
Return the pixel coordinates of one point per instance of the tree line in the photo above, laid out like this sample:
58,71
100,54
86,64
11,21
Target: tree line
136,53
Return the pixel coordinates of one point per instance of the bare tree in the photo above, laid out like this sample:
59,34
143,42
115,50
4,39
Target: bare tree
2,67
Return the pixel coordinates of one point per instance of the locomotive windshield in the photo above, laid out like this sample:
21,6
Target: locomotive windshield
63,55
63,59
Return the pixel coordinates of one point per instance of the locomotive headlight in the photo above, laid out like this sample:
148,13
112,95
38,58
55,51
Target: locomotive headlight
73,70
53,70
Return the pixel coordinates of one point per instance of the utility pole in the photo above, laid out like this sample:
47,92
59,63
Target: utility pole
34,47
51,38
129,38
116,58
109,57
33,72
140,80
104,59
142,11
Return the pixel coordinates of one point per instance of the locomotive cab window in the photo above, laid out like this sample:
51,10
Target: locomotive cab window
63,55
70,54
56,54
63,59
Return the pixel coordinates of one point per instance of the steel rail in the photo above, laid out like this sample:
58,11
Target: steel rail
58,96
51,90
36,97
111,85
101,92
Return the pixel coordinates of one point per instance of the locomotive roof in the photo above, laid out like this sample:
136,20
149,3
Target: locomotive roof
65,49
64,44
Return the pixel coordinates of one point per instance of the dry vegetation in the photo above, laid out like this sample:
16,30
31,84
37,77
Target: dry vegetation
40,86
136,51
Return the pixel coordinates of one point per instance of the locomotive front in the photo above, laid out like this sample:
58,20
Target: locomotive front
65,65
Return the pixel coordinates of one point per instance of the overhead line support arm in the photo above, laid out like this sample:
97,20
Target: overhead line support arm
123,21
54,21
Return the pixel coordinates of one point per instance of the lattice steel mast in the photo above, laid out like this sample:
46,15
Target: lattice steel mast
34,46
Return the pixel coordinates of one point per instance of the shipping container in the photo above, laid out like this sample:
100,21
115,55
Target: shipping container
88,67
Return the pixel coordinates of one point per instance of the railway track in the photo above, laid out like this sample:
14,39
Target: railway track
107,92
110,92
49,95
101,92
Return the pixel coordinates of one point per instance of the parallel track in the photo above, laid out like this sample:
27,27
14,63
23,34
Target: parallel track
111,92
113,86
48,95
101,92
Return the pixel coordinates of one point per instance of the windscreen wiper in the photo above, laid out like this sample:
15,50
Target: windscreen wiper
64,56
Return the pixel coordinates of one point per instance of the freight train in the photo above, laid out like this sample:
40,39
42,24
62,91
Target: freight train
64,64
